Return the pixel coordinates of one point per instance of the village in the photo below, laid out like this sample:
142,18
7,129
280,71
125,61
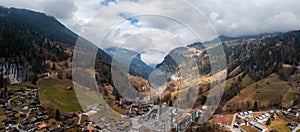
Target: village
147,116
21,109
260,121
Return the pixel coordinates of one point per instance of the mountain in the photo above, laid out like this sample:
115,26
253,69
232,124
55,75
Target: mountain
183,57
38,43
256,66
130,60
27,37
37,23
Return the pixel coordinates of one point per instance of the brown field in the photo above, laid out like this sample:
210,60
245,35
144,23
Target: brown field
280,125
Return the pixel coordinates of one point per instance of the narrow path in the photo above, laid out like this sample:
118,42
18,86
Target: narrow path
79,120
233,120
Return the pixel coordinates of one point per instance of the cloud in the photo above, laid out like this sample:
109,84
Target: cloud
236,18
230,17
153,56
60,9
140,24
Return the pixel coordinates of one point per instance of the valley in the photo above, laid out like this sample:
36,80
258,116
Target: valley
261,83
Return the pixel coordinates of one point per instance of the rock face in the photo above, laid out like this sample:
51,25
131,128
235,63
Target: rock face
130,61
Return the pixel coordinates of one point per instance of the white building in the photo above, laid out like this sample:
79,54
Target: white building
258,126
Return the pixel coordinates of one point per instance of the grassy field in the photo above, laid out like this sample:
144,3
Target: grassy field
16,87
273,83
265,91
289,98
265,96
228,83
247,81
271,87
280,125
53,93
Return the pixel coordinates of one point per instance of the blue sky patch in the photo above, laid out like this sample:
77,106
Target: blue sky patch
133,20
106,2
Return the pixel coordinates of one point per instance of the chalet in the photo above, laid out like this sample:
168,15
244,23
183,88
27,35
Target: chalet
293,113
122,129
243,115
22,115
59,129
3,101
22,101
97,127
68,123
25,107
274,117
9,121
32,120
90,129
20,90
10,93
13,129
240,123
250,113
292,125
40,113
32,105
68,115
126,104
42,126
9,108
45,117
24,123
221,120
262,118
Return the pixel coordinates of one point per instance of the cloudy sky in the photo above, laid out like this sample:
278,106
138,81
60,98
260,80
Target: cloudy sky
154,27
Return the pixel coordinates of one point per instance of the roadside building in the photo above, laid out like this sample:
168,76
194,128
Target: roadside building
221,120
183,120
258,126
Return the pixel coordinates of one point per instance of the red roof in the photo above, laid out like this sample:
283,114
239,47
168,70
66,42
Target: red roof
43,125
220,119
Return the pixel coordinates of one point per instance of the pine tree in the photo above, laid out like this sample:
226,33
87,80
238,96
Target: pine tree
117,97
57,114
1,95
203,100
34,79
53,67
255,105
268,123
1,81
5,90
59,75
171,103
